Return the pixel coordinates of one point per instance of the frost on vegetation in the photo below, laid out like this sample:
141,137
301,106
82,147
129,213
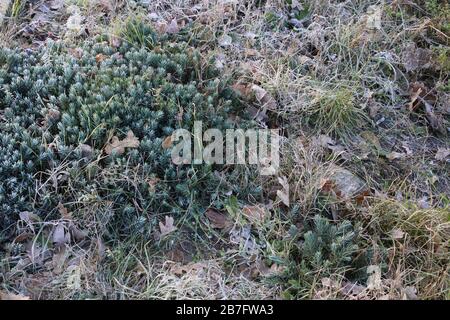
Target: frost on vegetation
101,112
75,20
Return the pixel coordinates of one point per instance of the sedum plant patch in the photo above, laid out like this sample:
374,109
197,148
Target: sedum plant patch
86,126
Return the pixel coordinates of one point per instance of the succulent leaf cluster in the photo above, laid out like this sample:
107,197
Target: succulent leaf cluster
60,106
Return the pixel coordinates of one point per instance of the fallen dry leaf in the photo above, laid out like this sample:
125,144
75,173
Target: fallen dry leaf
59,235
173,27
217,219
328,282
374,279
29,217
76,52
37,253
305,59
327,142
323,141
77,234
436,122
374,107
423,203
283,195
167,227
274,269
74,277
118,146
255,214
349,288
12,296
257,114
153,16
397,233
65,214
421,96
372,139
407,148
100,57
167,142
442,153
152,183
101,247
415,58
161,27
251,52
115,41
74,22
4,5
260,93
59,259
220,61
244,90
410,293
225,40
106,5
86,150
190,268
414,94
395,155
263,97
23,237
176,255
368,26
373,21
53,115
